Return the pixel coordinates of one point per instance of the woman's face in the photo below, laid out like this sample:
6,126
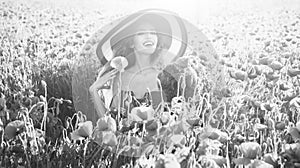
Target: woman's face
145,39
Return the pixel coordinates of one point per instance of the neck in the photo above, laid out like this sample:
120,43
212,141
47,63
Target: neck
142,60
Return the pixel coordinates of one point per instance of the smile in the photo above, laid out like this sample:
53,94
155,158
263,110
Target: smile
148,43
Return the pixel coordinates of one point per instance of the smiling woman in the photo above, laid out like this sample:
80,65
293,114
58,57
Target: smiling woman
142,43
149,40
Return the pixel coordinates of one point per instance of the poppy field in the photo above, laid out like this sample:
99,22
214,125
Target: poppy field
252,121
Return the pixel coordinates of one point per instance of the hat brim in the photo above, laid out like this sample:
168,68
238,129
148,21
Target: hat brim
169,27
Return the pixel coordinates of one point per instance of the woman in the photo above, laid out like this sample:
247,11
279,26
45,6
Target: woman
143,43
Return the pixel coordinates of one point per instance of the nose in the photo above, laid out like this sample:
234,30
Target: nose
148,34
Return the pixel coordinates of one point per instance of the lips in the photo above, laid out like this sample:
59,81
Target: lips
148,43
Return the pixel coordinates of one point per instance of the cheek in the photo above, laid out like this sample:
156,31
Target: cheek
155,39
137,41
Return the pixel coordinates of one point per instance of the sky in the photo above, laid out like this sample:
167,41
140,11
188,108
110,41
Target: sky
194,10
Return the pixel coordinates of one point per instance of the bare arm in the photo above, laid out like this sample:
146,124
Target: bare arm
96,86
98,102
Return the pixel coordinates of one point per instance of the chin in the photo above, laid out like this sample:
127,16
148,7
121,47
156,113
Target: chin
148,51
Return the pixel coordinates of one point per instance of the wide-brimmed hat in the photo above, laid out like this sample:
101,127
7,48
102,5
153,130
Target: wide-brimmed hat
182,39
168,26
161,25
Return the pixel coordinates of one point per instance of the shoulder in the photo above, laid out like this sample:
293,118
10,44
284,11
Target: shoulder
165,58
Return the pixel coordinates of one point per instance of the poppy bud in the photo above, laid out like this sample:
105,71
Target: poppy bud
165,118
43,83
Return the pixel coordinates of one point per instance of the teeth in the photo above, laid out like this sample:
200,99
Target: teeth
148,43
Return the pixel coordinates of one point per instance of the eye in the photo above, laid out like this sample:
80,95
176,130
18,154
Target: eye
140,33
153,32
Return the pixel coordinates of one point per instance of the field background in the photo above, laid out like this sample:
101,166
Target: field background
257,122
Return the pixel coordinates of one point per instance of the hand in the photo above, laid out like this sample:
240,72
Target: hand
103,78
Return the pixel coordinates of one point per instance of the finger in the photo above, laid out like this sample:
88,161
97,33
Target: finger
104,68
113,72
112,77
107,78
99,75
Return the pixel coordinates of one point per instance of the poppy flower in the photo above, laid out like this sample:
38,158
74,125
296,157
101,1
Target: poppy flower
194,121
215,134
208,162
271,159
298,126
293,72
238,75
13,128
280,126
260,164
151,125
85,129
142,113
106,123
295,102
220,160
260,127
105,137
167,161
285,86
136,141
294,132
258,69
265,60
110,139
272,76
182,154
275,65
178,139
119,63
226,92
289,95
2,104
180,127
250,149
